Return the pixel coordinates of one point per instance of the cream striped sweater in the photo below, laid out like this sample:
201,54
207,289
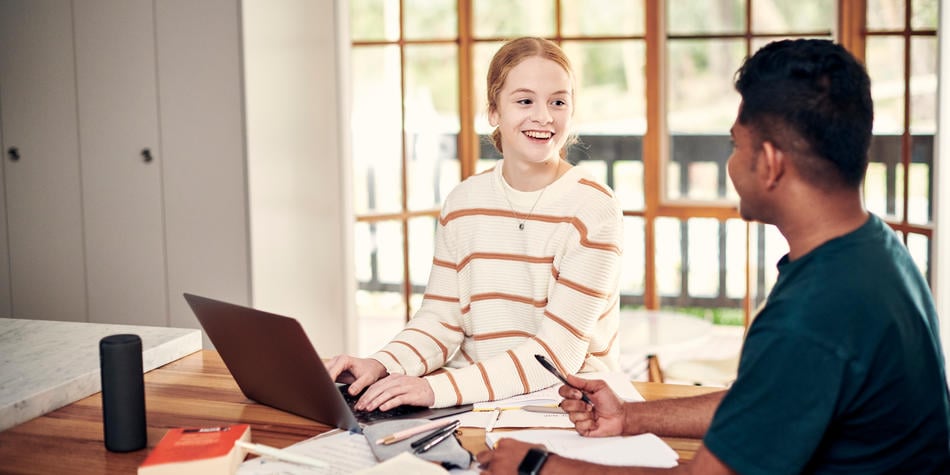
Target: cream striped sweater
498,295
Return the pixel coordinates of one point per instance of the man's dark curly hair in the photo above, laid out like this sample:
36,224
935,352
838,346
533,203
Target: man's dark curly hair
811,98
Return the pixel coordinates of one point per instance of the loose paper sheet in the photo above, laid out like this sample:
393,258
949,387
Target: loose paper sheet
644,450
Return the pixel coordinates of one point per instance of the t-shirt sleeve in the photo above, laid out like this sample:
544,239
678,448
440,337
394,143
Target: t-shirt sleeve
780,406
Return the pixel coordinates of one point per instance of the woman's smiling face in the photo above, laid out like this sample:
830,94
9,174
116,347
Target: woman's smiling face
534,110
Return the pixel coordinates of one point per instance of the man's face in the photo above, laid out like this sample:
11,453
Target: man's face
742,171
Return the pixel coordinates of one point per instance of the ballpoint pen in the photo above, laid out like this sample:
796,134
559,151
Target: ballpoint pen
283,455
405,434
436,433
436,441
550,367
490,426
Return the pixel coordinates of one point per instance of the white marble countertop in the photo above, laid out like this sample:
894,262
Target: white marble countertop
45,365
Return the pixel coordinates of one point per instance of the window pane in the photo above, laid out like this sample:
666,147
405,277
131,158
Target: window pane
429,19
700,93
885,14
507,19
632,272
735,262
792,16
432,123
380,306
374,20
920,180
703,16
884,180
376,129
704,258
919,247
923,85
669,257
601,18
611,91
884,57
421,248
628,182
924,14
768,246
482,55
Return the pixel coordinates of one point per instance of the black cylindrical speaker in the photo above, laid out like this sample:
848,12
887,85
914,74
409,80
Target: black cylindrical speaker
123,393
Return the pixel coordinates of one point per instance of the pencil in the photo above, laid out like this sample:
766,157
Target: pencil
407,433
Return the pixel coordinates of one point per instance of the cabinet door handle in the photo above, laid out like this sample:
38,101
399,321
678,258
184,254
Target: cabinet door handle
13,153
147,155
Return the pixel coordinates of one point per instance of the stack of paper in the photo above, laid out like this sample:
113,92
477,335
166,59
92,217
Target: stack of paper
644,450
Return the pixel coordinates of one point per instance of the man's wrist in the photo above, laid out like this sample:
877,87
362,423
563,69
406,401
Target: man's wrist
533,461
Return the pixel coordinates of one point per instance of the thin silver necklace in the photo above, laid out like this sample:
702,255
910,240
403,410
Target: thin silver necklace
522,221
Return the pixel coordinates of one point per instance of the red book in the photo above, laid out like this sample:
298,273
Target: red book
208,450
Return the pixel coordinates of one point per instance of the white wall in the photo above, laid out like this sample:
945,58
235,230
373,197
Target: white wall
941,177
298,166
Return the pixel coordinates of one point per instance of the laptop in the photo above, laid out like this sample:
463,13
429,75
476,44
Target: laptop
274,363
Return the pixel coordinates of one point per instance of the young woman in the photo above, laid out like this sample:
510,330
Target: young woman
527,260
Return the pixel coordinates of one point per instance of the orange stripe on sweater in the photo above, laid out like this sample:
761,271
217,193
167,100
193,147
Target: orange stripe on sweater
513,298
595,185
554,358
441,298
391,355
425,366
567,326
582,289
445,351
582,229
452,327
505,334
520,370
491,392
504,257
610,345
458,394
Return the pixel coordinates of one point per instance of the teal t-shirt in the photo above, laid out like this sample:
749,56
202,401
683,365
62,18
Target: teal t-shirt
842,370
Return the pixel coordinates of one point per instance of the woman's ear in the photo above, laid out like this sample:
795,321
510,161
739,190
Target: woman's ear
493,117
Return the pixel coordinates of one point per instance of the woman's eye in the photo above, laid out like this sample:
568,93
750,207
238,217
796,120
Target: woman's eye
560,102
526,102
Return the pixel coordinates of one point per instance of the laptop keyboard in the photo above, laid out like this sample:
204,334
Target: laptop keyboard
376,415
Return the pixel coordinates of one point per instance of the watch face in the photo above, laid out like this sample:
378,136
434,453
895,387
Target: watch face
532,462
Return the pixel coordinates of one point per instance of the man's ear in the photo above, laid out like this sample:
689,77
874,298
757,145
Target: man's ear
773,163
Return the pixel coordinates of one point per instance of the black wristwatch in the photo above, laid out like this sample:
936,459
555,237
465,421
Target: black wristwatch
533,461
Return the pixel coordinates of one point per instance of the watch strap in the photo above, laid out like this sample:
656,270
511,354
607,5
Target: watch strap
533,461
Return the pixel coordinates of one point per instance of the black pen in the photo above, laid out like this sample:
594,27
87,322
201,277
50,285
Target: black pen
436,433
436,439
550,367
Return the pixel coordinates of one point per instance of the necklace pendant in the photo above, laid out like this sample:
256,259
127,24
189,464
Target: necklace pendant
521,226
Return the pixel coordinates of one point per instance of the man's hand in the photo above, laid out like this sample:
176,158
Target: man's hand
505,458
604,419
357,372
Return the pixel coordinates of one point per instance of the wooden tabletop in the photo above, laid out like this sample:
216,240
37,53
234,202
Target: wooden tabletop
195,391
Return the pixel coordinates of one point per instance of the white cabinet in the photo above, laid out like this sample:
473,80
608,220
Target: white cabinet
41,161
130,187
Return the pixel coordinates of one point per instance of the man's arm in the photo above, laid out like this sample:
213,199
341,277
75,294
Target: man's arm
681,417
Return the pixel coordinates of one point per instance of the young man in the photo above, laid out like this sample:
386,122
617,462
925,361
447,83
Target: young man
842,370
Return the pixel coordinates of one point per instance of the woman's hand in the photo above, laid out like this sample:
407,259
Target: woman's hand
396,390
357,372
